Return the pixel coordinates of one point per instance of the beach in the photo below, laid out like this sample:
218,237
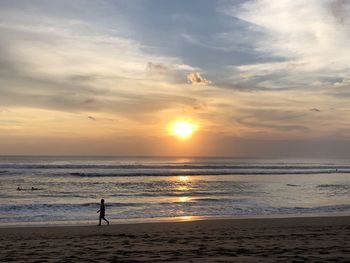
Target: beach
69,189
299,239
194,131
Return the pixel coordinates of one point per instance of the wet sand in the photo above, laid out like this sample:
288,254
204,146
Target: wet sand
315,239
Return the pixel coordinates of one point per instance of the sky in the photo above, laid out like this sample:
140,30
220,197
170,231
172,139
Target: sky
259,78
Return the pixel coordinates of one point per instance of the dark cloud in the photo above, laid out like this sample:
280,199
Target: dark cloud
157,69
322,148
76,93
196,79
339,91
273,119
200,106
315,110
83,78
172,73
241,87
340,10
89,101
131,105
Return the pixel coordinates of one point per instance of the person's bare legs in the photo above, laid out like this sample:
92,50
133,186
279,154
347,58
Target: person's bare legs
105,220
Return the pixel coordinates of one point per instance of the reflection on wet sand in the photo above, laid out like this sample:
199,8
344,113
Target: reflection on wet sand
185,218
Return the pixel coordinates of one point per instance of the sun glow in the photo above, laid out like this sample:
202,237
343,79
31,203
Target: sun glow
182,129
184,179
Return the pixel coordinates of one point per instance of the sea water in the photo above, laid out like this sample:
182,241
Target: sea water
69,189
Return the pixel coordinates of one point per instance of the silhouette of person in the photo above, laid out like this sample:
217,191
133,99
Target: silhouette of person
19,188
102,212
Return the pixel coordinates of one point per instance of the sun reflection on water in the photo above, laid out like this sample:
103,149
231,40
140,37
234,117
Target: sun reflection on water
186,218
183,183
183,188
184,179
184,199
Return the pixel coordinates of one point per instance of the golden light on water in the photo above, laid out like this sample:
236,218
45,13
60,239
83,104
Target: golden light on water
182,183
182,129
182,188
184,199
183,179
186,218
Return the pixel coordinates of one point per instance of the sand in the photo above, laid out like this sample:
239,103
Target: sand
317,239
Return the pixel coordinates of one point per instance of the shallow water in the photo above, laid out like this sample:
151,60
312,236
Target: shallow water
68,189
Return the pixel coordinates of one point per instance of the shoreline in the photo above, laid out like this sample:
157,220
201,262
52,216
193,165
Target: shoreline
238,220
132,221
300,239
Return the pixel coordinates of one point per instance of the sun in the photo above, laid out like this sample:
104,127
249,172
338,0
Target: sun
182,129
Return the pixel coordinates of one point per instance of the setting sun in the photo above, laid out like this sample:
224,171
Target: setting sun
182,129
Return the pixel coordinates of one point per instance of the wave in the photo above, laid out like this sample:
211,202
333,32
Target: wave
317,209
201,172
111,170
333,186
177,166
75,207
60,206
293,185
258,210
173,194
80,212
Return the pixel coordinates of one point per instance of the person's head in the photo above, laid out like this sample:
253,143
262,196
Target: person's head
102,201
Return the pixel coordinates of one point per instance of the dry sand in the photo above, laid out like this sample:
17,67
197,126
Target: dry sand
317,239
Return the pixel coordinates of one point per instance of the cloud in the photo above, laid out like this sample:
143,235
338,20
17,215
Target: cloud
273,119
340,10
195,78
90,101
265,75
315,110
309,41
46,63
157,69
171,73
244,87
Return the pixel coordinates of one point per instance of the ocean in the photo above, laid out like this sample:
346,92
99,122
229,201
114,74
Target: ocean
67,190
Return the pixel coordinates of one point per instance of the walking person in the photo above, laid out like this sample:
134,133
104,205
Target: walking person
102,212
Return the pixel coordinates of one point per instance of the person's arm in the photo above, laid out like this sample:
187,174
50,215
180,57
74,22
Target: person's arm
98,211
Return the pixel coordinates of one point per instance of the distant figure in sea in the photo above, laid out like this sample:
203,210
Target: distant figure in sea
19,188
102,212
